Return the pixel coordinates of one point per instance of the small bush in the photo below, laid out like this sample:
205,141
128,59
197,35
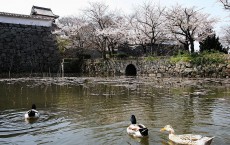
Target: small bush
181,57
202,58
151,58
209,58
120,55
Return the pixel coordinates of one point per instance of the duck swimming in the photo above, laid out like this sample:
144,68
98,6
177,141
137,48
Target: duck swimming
136,130
187,139
32,114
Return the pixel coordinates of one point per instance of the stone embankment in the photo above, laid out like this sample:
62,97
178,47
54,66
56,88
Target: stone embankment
157,68
27,48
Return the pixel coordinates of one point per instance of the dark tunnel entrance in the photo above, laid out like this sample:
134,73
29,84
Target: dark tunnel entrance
130,70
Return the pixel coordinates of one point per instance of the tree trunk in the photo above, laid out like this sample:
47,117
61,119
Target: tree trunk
109,51
103,54
192,46
144,48
186,47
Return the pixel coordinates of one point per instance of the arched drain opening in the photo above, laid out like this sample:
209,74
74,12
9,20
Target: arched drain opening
130,70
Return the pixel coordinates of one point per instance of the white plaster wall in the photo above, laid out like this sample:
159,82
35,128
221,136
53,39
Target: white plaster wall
26,21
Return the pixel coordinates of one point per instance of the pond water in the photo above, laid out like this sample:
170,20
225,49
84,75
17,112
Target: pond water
96,111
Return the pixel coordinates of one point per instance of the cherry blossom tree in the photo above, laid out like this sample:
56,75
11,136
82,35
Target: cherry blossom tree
76,31
115,34
148,24
71,27
100,29
187,24
101,18
225,37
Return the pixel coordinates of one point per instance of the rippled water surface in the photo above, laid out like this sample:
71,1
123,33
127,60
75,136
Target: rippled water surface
96,111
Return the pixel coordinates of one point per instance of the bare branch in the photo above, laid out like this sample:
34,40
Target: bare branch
225,3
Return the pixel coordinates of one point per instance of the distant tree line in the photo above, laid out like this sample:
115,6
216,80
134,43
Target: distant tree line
105,30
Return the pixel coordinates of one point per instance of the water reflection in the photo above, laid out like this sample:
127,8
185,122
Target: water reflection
97,110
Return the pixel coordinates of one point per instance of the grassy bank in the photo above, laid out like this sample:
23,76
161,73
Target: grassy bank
202,58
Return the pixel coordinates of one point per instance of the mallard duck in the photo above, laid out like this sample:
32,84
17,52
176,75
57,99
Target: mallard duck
32,114
136,130
188,139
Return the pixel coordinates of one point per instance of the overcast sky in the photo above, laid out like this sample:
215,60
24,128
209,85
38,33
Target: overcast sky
74,7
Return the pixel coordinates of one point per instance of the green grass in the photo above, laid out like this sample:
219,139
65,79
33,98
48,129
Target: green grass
199,59
151,58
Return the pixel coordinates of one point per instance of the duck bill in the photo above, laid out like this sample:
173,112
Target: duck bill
162,129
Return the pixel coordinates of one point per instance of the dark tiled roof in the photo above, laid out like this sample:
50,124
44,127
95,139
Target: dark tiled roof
24,16
41,11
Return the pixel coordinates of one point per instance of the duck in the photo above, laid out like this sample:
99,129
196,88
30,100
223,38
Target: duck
187,139
32,114
136,130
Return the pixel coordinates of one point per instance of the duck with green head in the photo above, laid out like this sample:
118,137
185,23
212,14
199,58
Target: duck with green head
32,114
136,130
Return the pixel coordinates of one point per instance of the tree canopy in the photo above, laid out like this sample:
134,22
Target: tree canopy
105,30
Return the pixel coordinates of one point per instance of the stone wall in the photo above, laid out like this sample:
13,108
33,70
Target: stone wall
27,48
156,68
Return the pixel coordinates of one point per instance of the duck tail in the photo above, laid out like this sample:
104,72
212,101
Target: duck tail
206,141
209,140
144,131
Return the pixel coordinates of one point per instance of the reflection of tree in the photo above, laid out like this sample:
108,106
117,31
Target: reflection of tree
187,117
178,109
205,107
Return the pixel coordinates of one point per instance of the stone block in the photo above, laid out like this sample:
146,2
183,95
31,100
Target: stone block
228,66
159,75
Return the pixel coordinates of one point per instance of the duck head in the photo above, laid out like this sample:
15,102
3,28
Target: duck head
34,106
133,119
168,128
